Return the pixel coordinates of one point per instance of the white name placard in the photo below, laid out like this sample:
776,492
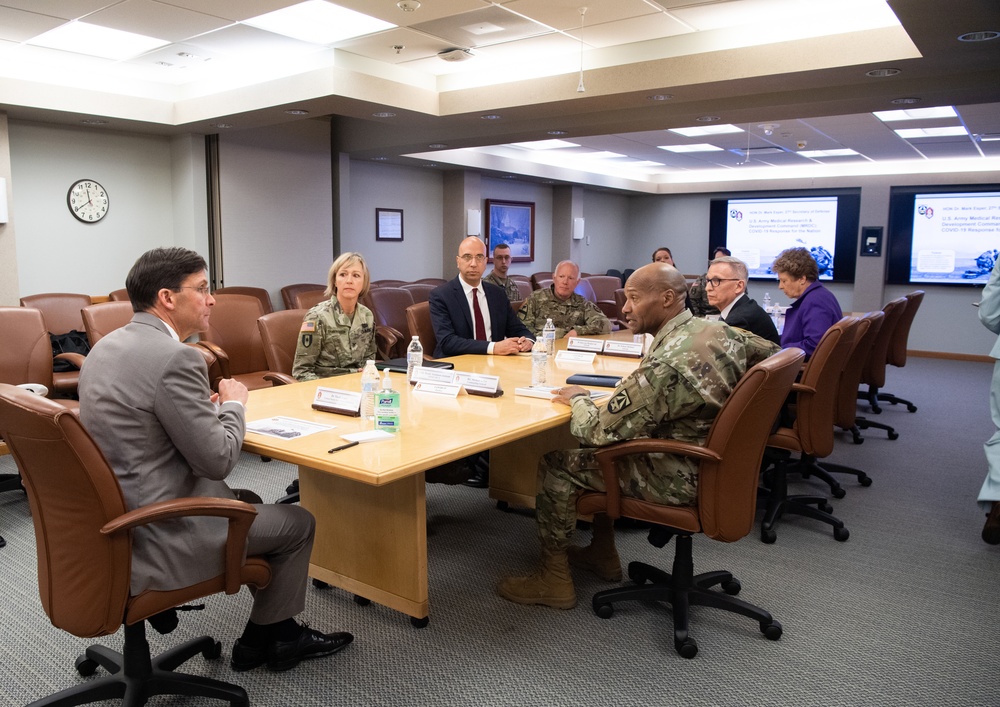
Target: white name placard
426,374
478,383
449,389
578,344
632,349
337,400
565,356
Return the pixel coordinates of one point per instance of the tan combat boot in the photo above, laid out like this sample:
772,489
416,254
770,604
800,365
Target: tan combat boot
552,585
601,556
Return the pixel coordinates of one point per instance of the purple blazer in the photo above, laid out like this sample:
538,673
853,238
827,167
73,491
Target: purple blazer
815,311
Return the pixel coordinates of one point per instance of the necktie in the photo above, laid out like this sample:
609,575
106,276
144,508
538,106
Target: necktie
477,314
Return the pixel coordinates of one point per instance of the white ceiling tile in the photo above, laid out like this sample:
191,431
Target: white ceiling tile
18,25
168,22
565,14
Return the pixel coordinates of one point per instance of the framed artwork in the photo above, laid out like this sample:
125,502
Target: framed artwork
388,224
513,223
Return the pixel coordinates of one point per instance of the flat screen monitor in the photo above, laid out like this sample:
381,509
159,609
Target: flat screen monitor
943,236
757,228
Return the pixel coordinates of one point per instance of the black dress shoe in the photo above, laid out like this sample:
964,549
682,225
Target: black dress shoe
285,655
991,531
246,657
480,479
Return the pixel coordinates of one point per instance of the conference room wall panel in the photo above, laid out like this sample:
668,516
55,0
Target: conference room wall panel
606,238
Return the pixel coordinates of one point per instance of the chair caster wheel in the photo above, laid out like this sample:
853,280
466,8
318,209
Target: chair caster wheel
893,434
732,587
212,652
767,535
421,622
841,534
320,584
838,492
826,508
687,648
605,611
85,666
911,408
361,601
771,631
865,480
502,505
635,573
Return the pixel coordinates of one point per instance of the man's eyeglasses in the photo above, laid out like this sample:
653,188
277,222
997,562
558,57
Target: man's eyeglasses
468,258
716,281
203,290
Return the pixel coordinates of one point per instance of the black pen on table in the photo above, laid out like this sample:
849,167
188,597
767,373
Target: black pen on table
343,446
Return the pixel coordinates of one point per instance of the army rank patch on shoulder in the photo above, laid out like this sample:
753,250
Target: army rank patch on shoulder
308,326
619,402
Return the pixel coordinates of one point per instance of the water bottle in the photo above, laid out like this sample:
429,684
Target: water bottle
539,362
414,357
767,302
369,386
387,406
549,336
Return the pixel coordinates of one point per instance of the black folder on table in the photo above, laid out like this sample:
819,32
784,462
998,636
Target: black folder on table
594,379
398,365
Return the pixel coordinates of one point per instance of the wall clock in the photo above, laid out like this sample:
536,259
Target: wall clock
88,201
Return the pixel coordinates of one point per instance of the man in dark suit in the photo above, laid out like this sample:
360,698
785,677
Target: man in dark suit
145,398
474,317
726,286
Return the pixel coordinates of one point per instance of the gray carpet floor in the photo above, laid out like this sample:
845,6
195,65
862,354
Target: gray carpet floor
903,613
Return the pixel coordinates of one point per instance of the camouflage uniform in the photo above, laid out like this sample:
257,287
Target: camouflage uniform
575,312
508,286
697,300
331,344
675,393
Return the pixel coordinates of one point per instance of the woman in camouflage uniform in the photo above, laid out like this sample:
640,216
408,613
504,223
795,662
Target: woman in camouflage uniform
338,335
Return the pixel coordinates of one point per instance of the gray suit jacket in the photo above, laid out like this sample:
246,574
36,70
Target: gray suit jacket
144,397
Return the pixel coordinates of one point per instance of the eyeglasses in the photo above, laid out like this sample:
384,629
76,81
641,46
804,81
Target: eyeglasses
203,290
716,281
468,258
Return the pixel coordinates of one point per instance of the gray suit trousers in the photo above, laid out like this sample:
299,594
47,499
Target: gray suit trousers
284,535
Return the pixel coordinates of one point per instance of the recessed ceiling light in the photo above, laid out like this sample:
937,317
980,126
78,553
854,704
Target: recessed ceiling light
162,63
845,152
431,164
379,159
95,40
913,133
297,111
882,73
905,101
698,131
383,114
545,144
507,176
94,121
988,137
408,5
557,132
978,36
437,145
318,22
888,116
708,119
221,126
659,97
491,116
700,147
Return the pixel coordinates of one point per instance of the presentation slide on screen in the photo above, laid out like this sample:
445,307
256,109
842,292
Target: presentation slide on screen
955,237
758,229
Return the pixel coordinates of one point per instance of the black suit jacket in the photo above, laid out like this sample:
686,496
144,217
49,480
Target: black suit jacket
452,319
747,314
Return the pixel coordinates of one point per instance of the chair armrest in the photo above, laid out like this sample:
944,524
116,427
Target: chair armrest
241,515
606,457
386,338
800,388
279,378
74,358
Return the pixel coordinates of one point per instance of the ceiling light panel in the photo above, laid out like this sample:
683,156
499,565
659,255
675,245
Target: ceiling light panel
702,130
917,133
318,22
93,40
843,152
700,147
889,116
545,144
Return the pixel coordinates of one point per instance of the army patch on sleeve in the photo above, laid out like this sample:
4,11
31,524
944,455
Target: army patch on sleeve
308,326
307,340
619,402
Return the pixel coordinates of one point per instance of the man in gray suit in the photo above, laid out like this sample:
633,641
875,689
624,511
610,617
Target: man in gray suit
145,398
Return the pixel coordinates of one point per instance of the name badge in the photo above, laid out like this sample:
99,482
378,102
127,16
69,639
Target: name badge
449,389
630,349
565,356
578,344
342,402
479,384
426,374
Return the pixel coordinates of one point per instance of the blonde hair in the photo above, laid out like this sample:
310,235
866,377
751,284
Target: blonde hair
345,260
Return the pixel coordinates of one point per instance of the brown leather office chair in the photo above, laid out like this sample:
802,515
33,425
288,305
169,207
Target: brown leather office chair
727,495
61,314
538,277
279,333
620,302
387,283
290,294
810,435
389,307
233,329
26,353
418,319
99,320
873,373
608,307
524,287
83,541
604,286
119,295
420,291
258,292
436,281
897,345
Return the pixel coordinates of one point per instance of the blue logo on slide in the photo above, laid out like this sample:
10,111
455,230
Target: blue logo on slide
736,214
925,211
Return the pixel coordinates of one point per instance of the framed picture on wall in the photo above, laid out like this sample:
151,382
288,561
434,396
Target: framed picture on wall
513,223
388,224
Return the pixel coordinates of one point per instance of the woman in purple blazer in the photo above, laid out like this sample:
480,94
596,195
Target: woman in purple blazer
815,308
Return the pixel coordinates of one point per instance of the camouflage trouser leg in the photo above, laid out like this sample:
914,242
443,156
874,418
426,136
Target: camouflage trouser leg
564,474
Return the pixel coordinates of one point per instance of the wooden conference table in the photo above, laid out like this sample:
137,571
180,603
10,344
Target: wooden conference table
369,500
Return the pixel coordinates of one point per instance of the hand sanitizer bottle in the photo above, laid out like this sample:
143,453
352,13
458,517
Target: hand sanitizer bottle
387,406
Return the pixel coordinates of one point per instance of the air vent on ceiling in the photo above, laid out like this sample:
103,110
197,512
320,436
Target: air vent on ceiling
455,54
755,151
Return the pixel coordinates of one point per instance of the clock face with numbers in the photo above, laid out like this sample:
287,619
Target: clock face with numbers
88,201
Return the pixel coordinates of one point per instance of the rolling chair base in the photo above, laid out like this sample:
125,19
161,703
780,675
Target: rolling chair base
135,676
777,502
864,423
682,589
